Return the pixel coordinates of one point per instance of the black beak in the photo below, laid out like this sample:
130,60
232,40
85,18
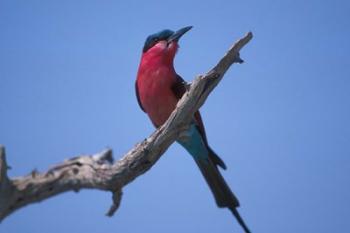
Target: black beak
177,35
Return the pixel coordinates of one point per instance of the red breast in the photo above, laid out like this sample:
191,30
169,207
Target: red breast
155,78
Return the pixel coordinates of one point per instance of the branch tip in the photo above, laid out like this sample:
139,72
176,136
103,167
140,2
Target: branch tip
3,164
104,156
117,196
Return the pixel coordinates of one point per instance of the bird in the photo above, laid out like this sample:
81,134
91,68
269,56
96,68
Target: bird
158,89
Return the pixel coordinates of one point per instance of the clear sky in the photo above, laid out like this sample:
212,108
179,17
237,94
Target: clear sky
280,121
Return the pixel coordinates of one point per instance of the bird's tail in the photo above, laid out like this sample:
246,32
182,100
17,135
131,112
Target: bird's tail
224,197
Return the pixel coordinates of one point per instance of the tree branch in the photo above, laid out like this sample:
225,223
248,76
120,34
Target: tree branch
99,171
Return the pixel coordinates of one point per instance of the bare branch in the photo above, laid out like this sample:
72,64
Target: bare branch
99,171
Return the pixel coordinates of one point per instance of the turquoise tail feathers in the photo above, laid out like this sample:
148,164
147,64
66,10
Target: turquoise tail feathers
192,141
207,162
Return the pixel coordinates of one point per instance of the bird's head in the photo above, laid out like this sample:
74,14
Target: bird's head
163,44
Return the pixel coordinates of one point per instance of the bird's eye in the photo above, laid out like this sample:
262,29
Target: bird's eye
156,39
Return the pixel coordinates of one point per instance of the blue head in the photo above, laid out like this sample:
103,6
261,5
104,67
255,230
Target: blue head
155,38
164,35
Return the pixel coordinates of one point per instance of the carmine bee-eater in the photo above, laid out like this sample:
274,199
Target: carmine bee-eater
158,89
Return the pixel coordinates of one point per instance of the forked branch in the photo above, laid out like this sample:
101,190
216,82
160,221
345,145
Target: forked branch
99,171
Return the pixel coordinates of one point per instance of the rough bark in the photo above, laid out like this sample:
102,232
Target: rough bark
99,171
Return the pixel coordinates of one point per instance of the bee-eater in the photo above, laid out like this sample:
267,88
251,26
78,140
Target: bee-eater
158,89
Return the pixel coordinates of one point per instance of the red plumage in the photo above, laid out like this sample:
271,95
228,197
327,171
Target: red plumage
158,87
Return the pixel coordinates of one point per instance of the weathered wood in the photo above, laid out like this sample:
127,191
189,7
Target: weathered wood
99,171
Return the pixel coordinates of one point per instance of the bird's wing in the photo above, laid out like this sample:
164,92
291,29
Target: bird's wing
138,97
179,88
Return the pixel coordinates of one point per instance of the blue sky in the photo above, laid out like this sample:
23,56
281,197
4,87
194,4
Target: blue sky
280,121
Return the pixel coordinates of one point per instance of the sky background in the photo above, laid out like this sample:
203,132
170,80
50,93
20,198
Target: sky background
280,121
